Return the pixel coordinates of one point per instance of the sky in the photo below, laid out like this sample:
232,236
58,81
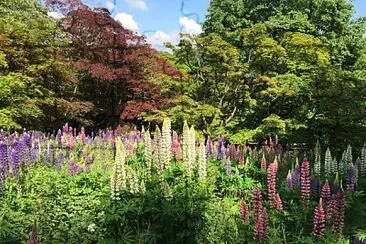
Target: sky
162,20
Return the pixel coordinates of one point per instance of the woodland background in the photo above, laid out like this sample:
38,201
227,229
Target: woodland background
292,68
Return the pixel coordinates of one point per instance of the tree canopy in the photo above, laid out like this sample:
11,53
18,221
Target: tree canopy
296,68
85,68
290,67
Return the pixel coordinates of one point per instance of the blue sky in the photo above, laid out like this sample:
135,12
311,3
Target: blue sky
360,7
162,20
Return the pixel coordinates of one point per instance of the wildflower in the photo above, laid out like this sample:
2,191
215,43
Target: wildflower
4,163
165,146
176,145
338,209
290,180
15,159
168,193
232,152
293,177
244,212
59,138
220,148
328,162
351,178
65,135
257,202
148,153
358,166
91,228
34,151
342,166
82,135
51,153
263,163
241,156
74,168
334,166
118,177
228,167
271,154
192,146
134,183
88,162
336,185
255,153
325,195
305,180
71,139
33,237
208,148
261,226
271,183
157,151
278,202
142,187
363,161
319,220
59,161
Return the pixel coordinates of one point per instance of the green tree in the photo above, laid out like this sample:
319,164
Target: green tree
301,64
36,84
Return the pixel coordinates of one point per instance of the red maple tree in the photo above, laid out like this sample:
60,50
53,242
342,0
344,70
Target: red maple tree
114,63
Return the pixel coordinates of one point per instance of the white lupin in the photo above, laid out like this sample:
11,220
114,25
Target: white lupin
142,187
157,151
327,162
317,162
134,182
148,153
118,178
165,146
342,165
333,166
363,160
192,147
168,193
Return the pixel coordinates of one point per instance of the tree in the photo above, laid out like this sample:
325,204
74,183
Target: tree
307,58
114,63
328,19
35,83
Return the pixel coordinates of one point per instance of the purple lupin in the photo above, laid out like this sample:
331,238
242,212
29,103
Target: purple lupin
15,159
4,163
59,161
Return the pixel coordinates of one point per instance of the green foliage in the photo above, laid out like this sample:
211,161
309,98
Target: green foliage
171,206
36,86
62,207
187,109
19,99
288,67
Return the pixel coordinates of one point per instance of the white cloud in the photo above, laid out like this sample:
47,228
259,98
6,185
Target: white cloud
55,15
139,4
109,5
158,38
127,21
190,26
